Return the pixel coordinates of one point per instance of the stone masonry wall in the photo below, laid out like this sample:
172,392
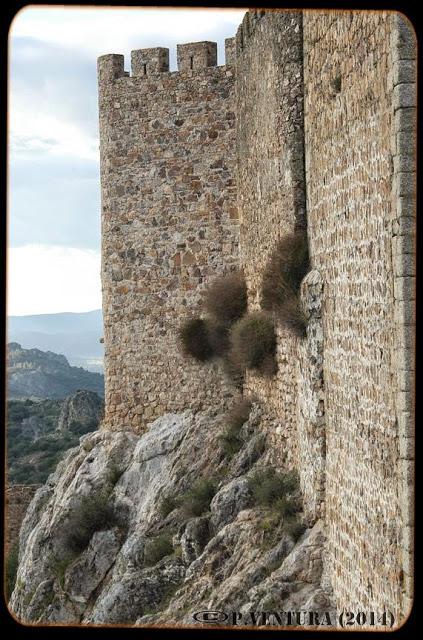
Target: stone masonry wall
361,241
169,223
17,499
271,195
320,136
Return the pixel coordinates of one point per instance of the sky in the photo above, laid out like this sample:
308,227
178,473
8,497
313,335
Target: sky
54,181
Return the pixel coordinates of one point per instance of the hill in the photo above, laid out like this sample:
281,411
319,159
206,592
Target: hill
76,335
39,375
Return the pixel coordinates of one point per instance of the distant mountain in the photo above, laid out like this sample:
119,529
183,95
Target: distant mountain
38,375
75,335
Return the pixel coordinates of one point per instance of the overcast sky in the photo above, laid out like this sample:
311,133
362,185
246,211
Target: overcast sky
54,184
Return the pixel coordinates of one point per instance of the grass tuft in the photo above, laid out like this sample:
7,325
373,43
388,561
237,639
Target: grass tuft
197,500
157,548
95,513
287,266
226,298
253,342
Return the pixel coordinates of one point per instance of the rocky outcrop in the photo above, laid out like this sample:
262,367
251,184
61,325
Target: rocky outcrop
37,375
97,546
84,408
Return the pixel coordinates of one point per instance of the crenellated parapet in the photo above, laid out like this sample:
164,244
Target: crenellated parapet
192,58
149,61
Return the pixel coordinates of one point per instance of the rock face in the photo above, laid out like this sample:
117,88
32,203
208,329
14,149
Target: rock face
37,375
217,559
83,407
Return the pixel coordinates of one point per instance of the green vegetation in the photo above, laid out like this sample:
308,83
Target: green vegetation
278,494
226,298
197,500
12,563
281,281
253,342
167,505
34,447
95,513
230,440
157,548
274,490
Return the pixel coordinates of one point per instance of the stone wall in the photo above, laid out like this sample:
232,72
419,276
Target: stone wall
353,138
17,499
320,136
169,223
271,188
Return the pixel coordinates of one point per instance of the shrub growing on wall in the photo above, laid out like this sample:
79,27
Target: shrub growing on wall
226,298
195,340
287,266
253,341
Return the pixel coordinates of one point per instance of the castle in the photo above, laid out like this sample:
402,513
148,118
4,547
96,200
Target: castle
309,124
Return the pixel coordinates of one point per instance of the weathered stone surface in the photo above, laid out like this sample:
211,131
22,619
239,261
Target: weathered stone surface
17,500
111,580
353,199
84,407
229,501
168,225
194,538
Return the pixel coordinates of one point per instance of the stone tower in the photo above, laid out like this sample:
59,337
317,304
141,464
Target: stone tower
169,221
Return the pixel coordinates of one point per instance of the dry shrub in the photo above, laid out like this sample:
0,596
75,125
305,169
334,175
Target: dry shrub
218,337
195,340
253,341
226,298
292,317
287,266
157,548
197,500
95,513
281,281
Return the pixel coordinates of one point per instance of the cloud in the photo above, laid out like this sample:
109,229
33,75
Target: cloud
54,201
116,30
54,182
45,279
53,96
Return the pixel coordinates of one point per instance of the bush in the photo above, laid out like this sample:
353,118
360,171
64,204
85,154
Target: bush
167,505
218,337
12,563
226,298
194,339
281,281
197,500
286,268
253,341
95,513
273,490
292,316
157,548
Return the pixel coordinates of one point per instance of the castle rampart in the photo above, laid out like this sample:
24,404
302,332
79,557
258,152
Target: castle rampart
310,125
169,223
